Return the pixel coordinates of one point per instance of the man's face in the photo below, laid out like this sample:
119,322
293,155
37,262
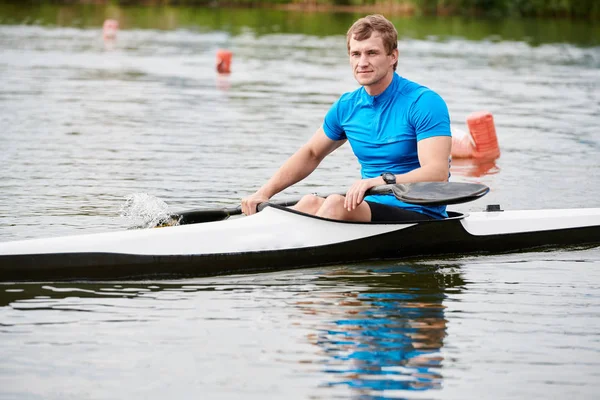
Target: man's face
370,61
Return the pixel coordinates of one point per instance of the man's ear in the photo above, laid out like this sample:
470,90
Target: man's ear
395,56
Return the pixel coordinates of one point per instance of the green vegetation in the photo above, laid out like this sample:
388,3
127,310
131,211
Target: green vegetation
522,8
580,9
261,21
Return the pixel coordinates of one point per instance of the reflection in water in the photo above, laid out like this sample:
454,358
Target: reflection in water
367,331
473,167
110,44
372,329
52,296
223,82
388,335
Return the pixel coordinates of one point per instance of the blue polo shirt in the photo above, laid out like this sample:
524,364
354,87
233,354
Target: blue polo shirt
383,131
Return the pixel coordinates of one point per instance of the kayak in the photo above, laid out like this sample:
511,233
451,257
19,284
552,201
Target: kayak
281,238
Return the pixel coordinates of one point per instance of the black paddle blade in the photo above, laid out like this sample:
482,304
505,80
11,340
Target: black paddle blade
439,193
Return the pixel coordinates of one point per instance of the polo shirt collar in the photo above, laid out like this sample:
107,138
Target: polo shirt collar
383,96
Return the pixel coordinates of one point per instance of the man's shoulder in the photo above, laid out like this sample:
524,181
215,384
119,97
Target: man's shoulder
351,96
349,101
418,96
409,88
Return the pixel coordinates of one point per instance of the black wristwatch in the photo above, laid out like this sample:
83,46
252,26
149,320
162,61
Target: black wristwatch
389,178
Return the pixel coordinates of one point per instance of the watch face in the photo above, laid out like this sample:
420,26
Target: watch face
389,178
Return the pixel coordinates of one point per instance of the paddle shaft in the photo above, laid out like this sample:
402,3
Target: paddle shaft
219,214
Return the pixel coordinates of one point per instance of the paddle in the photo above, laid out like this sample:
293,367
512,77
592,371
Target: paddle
422,193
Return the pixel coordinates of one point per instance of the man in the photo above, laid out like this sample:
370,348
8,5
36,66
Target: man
398,130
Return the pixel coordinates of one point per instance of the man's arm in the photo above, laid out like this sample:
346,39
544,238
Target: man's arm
297,167
433,154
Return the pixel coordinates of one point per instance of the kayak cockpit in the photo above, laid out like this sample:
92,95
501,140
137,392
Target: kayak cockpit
452,215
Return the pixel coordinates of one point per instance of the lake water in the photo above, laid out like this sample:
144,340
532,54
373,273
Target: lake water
85,123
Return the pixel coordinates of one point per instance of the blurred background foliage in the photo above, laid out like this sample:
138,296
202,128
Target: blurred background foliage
263,20
578,9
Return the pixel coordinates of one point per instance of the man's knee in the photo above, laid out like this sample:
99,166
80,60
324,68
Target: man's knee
309,204
334,200
333,207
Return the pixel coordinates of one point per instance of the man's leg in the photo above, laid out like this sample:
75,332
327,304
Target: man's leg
333,208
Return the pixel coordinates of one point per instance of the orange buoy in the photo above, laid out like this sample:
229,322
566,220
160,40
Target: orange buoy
481,142
110,28
483,131
224,61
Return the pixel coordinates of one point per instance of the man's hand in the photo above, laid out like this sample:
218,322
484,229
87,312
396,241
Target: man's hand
356,193
250,203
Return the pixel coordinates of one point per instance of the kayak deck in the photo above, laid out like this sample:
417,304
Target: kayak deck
279,238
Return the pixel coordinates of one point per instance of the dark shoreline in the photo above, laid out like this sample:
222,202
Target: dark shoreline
572,9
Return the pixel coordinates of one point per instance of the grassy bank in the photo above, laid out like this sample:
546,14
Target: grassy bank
580,9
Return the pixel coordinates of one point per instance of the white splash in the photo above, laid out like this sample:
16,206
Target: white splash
144,210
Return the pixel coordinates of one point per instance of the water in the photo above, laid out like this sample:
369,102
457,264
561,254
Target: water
85,124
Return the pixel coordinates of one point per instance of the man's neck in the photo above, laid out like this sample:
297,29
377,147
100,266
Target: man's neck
379,87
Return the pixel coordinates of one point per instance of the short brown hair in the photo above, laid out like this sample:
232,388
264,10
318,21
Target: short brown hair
364,28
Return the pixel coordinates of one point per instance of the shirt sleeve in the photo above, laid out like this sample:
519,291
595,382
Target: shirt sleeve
332,125
429,116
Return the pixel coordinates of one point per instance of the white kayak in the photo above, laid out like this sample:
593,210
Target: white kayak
281,238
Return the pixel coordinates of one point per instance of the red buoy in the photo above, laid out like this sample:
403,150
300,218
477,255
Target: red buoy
481,142
224,61
110,28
